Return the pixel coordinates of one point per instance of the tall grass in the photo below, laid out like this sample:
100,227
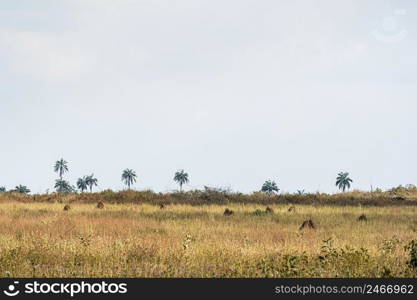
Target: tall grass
129,240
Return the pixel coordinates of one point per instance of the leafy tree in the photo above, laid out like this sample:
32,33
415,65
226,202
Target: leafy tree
269,187
129,177
63,186
2,189
181,177
82,184
91,181
22,189
343,181
61,166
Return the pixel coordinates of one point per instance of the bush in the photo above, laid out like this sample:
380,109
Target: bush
221,196
412,248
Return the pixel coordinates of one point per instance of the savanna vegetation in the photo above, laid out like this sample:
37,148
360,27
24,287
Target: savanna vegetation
206,233
41,239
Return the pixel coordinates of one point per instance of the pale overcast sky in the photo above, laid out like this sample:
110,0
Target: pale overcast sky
234,92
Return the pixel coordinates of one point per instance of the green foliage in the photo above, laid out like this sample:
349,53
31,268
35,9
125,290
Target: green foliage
294,265
343,181
269,187
22,189
2,189
63,186
91,181
129,177
60,167
82,184
347,262
181,177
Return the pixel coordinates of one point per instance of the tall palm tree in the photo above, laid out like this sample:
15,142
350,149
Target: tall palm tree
82,184
181,177
128,177
91,181
269,187
22,189
343,181
63,186
61,166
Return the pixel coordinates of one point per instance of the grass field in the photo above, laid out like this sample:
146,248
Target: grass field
141,240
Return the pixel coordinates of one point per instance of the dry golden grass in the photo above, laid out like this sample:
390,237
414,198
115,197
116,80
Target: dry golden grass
130,240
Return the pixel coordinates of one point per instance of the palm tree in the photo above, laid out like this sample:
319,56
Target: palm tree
91,181
128,177
61,166
22,189
63,186
269,187
82,184
300,192
181,177
2,189
343,181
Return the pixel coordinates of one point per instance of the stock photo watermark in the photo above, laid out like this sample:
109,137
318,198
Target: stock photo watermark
390,30
70,289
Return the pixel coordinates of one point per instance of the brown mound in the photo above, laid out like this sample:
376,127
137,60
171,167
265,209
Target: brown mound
100,205
228,212
161,206
291,209
308,224
269,210
362,218
67,207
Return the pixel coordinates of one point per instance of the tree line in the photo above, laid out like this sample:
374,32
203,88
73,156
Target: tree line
129,176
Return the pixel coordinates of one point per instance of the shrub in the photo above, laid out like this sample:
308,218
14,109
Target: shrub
412,248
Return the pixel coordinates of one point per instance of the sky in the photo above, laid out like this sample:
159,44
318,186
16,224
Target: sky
235,92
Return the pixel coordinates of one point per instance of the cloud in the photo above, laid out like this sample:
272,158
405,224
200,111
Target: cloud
45,55
161,40
208,84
